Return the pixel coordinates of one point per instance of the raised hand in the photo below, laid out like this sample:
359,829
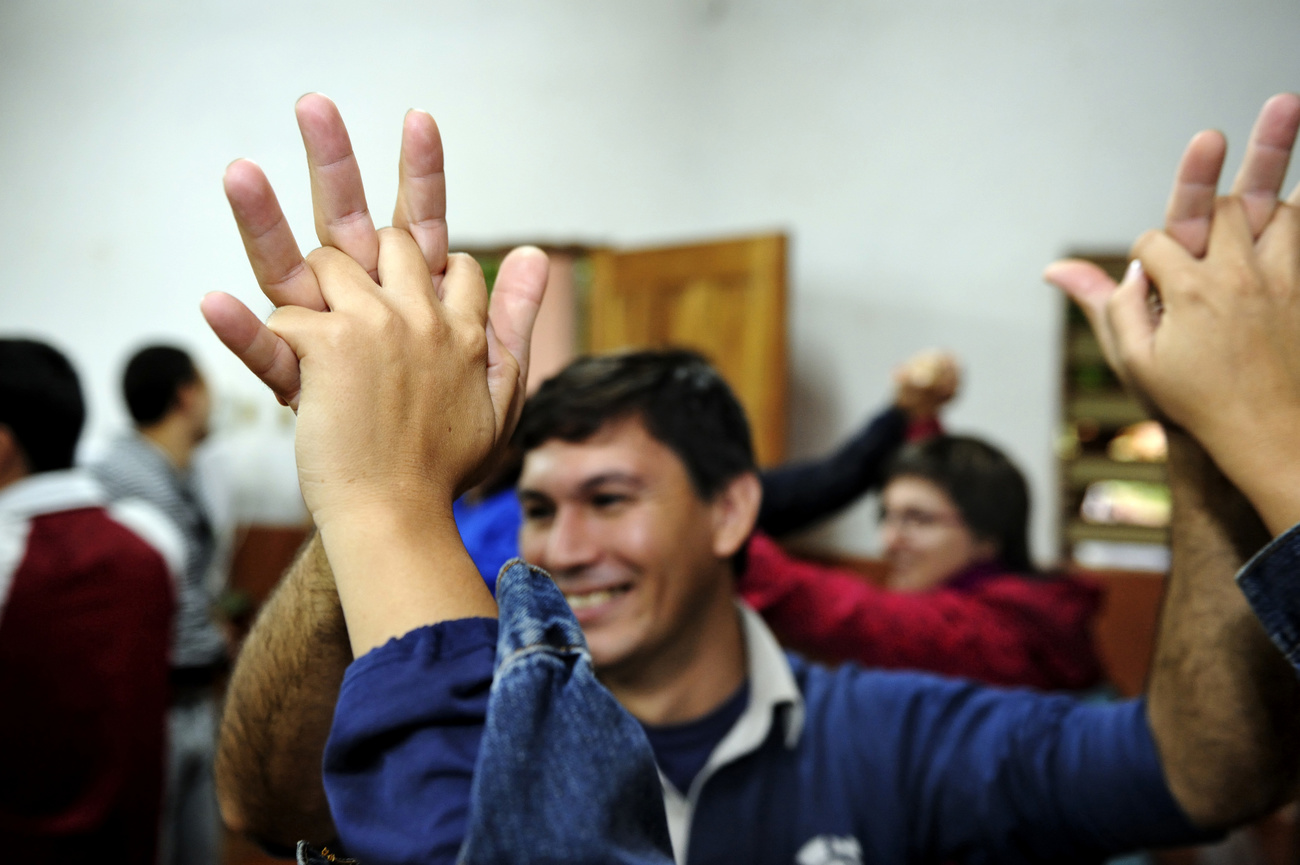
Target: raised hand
926,382
343,221
1217,352
1190,207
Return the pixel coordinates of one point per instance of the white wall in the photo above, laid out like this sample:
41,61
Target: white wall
927,158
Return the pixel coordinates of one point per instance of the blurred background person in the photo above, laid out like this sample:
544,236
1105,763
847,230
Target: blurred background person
170,405
961,595
86,601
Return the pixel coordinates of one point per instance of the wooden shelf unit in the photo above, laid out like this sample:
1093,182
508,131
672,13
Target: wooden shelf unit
1094,407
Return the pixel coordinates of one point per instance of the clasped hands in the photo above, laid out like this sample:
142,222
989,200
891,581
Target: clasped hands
405,379
1219,354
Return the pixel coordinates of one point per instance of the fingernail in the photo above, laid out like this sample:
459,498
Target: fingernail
1134,270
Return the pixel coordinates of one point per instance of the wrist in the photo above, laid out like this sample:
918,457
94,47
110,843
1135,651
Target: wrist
399,567
1262,462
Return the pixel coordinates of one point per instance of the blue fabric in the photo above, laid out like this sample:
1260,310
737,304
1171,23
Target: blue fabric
490,531
913,768
681,750
903,767
1271,582
565,774
401,753
499,735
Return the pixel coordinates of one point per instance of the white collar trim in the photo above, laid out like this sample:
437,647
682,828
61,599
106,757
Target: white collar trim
49,493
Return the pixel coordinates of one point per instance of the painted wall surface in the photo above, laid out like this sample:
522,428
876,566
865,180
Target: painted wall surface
926,157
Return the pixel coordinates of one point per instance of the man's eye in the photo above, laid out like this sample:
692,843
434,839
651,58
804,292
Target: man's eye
607,500
533,513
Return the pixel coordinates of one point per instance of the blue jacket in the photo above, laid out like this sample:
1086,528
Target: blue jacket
1271,582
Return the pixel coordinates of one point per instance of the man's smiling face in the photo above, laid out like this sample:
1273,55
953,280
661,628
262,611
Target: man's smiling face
624,534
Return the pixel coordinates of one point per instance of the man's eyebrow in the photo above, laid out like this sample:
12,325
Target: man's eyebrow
615,477
591,483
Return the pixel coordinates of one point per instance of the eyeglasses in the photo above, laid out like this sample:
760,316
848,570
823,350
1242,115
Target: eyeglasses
915,520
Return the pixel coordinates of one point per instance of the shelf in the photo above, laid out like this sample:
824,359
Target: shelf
1106,409
1082,347
1086,470
1081,531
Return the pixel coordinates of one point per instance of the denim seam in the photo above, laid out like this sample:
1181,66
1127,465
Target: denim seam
526,651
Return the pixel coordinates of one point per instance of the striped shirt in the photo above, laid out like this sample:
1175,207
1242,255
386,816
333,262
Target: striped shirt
135,468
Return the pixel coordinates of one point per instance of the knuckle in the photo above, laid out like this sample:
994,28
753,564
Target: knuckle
467,261
1144,242
324,256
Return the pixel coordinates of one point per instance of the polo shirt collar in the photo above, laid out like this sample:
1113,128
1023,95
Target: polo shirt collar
773,694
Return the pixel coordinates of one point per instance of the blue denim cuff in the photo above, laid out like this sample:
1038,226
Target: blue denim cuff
1271,582
534,615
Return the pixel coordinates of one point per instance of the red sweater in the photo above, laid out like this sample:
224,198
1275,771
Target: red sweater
85,627
1004,629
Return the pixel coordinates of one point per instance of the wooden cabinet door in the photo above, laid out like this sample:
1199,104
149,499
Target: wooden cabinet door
725,300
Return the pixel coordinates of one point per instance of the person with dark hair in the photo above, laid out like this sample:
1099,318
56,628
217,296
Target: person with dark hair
85,623
764,758
157,380
959,483
170,406
962,596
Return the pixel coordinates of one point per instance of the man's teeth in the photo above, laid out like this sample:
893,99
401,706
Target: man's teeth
591,599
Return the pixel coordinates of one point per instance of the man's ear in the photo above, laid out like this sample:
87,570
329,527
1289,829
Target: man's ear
186,394
735,510
13,461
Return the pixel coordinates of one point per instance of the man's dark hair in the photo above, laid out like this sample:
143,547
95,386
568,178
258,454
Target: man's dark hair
987,488
676,393
40,402
153,379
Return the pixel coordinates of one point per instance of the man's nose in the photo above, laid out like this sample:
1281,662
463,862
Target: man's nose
570,543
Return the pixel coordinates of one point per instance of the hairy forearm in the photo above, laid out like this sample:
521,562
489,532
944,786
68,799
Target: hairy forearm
1222,700
279,708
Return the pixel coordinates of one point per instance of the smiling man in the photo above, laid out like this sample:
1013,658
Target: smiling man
637,496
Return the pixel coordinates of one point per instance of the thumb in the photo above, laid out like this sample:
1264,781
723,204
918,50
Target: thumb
1091,288
512,311
1130,323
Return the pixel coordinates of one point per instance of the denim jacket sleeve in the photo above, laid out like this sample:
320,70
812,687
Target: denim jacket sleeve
1271,582
482,744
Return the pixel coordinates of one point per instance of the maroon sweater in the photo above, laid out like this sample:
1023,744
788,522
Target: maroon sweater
1004,629
84,636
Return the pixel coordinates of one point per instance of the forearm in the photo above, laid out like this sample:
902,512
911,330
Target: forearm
279,708
1222,700
797,495
1012,631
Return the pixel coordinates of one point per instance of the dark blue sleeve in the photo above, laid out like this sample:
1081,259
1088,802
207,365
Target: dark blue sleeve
1013,776
1271,582
400,757
798,494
